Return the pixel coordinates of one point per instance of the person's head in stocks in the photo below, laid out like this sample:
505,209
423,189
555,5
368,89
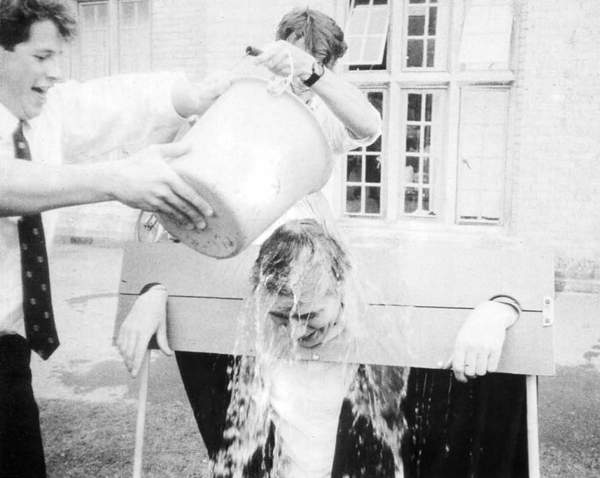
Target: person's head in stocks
32,36
301,273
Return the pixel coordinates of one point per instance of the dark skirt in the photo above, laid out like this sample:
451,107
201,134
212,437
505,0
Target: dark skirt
454,430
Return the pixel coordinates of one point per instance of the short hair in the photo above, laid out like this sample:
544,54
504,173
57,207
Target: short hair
298,240
323,38
17,16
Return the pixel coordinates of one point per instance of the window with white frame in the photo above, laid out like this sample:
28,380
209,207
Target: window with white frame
134,35
422,33
94,37
482,154
431,84
485,41
363,173
114,37
422,134
366,34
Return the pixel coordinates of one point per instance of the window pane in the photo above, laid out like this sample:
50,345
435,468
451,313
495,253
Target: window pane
482,149
425,206
143,11
427,139
373,202
358,21
414,56
379,21
87,14
354,49
366,35
102,14
376,146
421,31
412,169
363,181
486,35
411,200
413,138
414,107
416,25
373,50
430,52
428,106
353,199
376,99
354,172
93,41
127,14
432,20
373,169
422,138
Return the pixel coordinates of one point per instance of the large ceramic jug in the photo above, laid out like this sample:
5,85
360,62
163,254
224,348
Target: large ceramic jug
254,155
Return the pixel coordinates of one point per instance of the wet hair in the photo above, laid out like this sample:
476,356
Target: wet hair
17,16
302,240
323,38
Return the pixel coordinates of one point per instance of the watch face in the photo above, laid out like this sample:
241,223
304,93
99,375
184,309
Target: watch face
318,68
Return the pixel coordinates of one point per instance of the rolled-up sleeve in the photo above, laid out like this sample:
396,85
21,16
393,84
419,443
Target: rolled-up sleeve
121,111
338,136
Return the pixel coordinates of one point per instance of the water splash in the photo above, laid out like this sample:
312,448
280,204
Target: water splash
255,446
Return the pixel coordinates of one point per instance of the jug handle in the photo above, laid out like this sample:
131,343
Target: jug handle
277,85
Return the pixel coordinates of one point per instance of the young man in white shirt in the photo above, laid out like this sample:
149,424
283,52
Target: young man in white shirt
40,125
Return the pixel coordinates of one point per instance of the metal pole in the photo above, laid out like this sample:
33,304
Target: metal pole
533,444
141,417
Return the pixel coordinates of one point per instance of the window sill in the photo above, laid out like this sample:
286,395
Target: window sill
366,230
431,78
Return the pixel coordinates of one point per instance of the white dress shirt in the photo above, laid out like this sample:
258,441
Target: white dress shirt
79,121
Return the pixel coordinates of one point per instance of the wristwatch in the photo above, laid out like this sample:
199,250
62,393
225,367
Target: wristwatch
318,70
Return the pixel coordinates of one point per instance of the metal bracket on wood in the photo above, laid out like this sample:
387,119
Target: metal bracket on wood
548,311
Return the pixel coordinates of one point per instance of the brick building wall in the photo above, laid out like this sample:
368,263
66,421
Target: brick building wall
556,175
202,36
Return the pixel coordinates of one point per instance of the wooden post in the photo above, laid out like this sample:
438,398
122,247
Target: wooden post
533,444
141,417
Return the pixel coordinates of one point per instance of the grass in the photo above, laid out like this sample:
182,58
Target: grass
84,439
570,423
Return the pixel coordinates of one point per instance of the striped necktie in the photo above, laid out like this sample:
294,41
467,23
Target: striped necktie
37,303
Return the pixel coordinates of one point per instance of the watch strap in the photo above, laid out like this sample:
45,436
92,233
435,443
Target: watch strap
315,75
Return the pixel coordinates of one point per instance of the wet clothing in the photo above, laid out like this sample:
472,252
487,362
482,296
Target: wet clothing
454,430
206,379
306,398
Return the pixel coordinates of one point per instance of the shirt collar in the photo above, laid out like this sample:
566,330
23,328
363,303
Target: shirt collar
8,121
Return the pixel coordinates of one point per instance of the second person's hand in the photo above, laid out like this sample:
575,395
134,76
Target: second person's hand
276,57
479,342
147,316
